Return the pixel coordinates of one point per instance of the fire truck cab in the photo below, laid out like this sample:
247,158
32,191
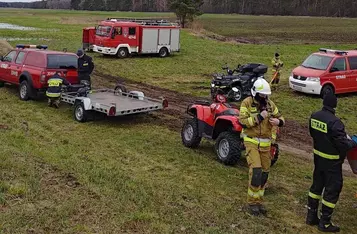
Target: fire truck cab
122,37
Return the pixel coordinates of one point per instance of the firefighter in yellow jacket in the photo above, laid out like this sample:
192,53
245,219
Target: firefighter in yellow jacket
259,117
277,65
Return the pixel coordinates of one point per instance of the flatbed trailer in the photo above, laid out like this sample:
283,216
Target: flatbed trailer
112,103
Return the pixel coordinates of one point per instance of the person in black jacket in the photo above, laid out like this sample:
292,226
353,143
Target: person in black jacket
55,88
331,144
85,66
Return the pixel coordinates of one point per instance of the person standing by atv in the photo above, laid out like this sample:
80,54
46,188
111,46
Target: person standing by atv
85,66
277,65
258,115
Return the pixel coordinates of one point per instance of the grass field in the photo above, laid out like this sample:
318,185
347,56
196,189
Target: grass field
132,174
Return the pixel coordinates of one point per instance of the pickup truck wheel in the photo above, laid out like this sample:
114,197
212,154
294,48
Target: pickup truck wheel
24,90
189,133
228,148
164,52
123,53
274,154
80,114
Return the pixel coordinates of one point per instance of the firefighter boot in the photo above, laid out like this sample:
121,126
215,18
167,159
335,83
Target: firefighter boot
325,224
49,102
262,210
311,218
254,210
56,103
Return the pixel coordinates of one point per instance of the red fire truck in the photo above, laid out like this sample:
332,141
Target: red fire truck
122,37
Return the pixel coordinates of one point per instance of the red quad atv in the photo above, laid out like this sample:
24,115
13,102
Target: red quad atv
217,121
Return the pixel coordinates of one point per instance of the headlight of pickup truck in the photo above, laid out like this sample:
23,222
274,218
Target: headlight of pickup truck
313,79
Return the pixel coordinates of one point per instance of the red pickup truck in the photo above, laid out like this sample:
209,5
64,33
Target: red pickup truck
30,66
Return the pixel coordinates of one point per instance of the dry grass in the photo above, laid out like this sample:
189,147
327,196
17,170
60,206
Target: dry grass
5,47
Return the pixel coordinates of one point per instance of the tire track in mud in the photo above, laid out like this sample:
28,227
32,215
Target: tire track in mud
293,134
294,137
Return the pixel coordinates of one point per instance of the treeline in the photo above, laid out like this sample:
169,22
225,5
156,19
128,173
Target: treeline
335,8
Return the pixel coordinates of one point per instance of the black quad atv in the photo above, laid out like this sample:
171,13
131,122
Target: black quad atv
238,82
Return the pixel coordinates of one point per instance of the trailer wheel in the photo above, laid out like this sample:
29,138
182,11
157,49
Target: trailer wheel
80,114
123,53
164,52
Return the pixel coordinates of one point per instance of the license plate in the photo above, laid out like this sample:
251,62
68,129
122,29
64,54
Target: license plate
298,88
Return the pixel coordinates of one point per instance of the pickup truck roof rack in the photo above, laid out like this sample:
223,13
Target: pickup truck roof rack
338,52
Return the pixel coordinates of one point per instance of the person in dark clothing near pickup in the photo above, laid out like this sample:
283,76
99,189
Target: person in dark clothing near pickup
85,66
55,88
331,144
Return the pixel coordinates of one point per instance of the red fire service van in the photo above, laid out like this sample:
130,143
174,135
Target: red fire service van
122,37
326,71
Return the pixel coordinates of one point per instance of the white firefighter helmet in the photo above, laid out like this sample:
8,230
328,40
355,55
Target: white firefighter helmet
261,86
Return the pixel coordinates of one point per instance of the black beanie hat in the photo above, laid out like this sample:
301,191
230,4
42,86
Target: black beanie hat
330,100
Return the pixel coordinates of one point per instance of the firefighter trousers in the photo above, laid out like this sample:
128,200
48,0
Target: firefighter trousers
327,185
54,101
275,80
259,160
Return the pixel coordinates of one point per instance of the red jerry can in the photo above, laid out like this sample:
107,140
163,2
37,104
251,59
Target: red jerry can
352,159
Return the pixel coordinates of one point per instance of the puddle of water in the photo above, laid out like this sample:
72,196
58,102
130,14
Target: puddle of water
16,27
23,39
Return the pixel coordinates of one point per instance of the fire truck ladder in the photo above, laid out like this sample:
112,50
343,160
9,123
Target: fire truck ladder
153,22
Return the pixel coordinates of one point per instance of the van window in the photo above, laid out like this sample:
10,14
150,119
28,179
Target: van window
59,61
35,59
20,58
132,31
340,64
353,63
318,62
10,56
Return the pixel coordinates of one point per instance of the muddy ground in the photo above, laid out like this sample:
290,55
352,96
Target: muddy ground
294,137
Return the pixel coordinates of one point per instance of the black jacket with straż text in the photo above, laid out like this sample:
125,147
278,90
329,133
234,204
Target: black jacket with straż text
85,66
328,133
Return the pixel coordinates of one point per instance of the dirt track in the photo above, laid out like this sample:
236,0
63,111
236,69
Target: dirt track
294,137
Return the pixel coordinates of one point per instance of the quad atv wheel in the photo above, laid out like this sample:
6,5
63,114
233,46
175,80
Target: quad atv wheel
236,96
228,148
120,89
189,133
274,154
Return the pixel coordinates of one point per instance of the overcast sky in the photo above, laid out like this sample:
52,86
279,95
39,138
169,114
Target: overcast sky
17,0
